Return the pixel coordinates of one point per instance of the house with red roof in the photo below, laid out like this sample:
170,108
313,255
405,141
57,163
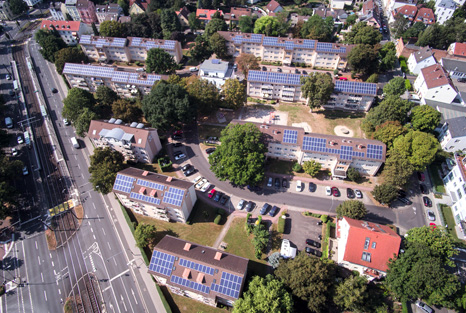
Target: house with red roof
206,15
434,84
457,49
425,15
366,247
182,15
273,8
409,12
69,31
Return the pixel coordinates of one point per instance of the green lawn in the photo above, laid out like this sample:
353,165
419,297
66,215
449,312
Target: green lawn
206,131
449,220
202,231
437,180
180,304
280,166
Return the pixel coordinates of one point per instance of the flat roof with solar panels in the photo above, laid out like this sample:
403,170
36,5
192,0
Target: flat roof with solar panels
146,43
203,270
151,188
275,78
359,88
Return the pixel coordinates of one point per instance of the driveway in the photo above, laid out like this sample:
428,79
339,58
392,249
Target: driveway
298,228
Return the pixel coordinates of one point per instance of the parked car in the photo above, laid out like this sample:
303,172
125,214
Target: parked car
269,182
284,183
277,182
189,171
14,152
299,186
199,184
20,140
224,199
405,200
240,204
25,171
250,206
66,122
313,243
177,144
421,176
402,193
197,179
8,77
424,189
264,68
274,211
53,90
186,167
178,132
264,208
328,191
205,187
431,215
335,192
212,138
180,157
279,70
217,196
424,307
313,252
343,78
462,80
177,137
193,69
312,187
211,193
427,201
349,193
210,150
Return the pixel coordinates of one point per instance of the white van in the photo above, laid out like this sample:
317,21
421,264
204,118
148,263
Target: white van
193,69
9,122
75,142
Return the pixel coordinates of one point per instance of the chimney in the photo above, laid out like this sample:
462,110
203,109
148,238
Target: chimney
200,278
169,179
145,173
187,246
186,273
218,256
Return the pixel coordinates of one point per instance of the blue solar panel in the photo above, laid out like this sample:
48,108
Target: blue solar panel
123,183
150,184
356,87
230,285
275,78
189,284
374,151
290,136
328,47
174,196
161,263
196,266
144,198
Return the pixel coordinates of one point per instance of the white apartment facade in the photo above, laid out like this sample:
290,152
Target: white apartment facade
127,49
31,3
420,59
72,9
136,142
433,83
444,10
322,55
69,31
334,153
154,195
215,71
56,11
124,82
452,134
455,184
108,12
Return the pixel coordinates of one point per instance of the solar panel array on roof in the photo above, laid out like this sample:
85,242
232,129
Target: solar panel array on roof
118,42
135,42
189,284
88,70
255,38
316,144
135,79
174,196
149,184
85,39
196,266
289,44
123,183
290,136
275,78
328,47
148,199
356,87
374,151
161,263
230,285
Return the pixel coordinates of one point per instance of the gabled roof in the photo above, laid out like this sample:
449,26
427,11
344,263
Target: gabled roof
71,26
457,126
379,240
422,54
435,76
136,136
425,15
236,13
458,49
407,10
272,5
368,7
183,12
206,15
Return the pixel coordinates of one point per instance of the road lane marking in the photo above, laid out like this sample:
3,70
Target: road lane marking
92,230
94,237
59,291
45,294
119,275
42,277
103,230
50,255
38,259
123,301
36,245
53,264
134,296
108,243
94,206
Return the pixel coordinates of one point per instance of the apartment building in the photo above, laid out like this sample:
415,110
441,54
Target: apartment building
216,71
334,153
323,55
125,82
86,9
456,68
354,96
72,10
235,14
5,11
69,31
366,247
136,142
452,134
108,12
421,59
444,10
31,3
202,273
154,195
370,14
56,11
434,83
127,49
455,184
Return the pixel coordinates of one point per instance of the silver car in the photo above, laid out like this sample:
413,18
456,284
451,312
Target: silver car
240,204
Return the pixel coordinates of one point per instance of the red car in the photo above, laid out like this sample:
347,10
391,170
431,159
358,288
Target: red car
211,193
335,192
177,132
343,78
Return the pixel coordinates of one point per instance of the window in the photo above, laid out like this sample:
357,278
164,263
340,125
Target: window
366,244
373,245
366,256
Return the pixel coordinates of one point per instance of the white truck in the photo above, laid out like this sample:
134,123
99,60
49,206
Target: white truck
75,142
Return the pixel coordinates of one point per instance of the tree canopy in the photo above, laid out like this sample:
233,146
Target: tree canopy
144,234
317,88
127,110
234,93
352,209
9,172
169,22
269,26
361,33
395,87
105,95
69,55
241,156
397,170
352,294
385,193
18,6
311,167
194,22
167,104
201,49
74,103
425,118
204,94
392,108
418,147
309,279
215,25
364,59
112,29
247,62
388,132
105,163
83,121
318,29
160,61
218,45
50,43
246,24
264,295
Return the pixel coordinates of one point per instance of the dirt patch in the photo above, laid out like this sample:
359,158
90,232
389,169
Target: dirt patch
340,130
306,126
228,116
51,239
79,211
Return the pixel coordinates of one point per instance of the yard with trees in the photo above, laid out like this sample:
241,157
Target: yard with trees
105,163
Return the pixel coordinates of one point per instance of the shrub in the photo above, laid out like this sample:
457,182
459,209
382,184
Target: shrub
221,211
316,215
281,225
404,67
297,167
164,163
353,174
355,273
217,219
408,85
324,218
247,217
259,219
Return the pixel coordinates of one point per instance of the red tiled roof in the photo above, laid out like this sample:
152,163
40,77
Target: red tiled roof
387,244
460,49
273,5
368,6
236,13
71,26
408,10
435,76
206,14
425,15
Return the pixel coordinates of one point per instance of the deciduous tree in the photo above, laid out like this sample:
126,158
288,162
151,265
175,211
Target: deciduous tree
127,110
246,24
388,132
425,118
17,6
268,26
352,294
74,103
311,167
361,33
392,108
68,55
264,295
218,45
194,22
201,49
83,121
387,57
234,93
112,29
215,25
353,174
247,62
105,95
310,279
364,59
160,61
105,163
169,22
415,30
395,87
144,234
385,193
352,209
398,169
50,43
241,156
204,94
317,88
418,147
318,29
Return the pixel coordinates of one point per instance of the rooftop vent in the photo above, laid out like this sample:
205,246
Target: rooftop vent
145,173
118,122
187,246
133,124
203,251
112,120
218,256
140,125
169,178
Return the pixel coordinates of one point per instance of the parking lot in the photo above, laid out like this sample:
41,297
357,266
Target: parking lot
298,228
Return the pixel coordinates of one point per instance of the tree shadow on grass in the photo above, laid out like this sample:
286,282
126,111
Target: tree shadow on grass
335,114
